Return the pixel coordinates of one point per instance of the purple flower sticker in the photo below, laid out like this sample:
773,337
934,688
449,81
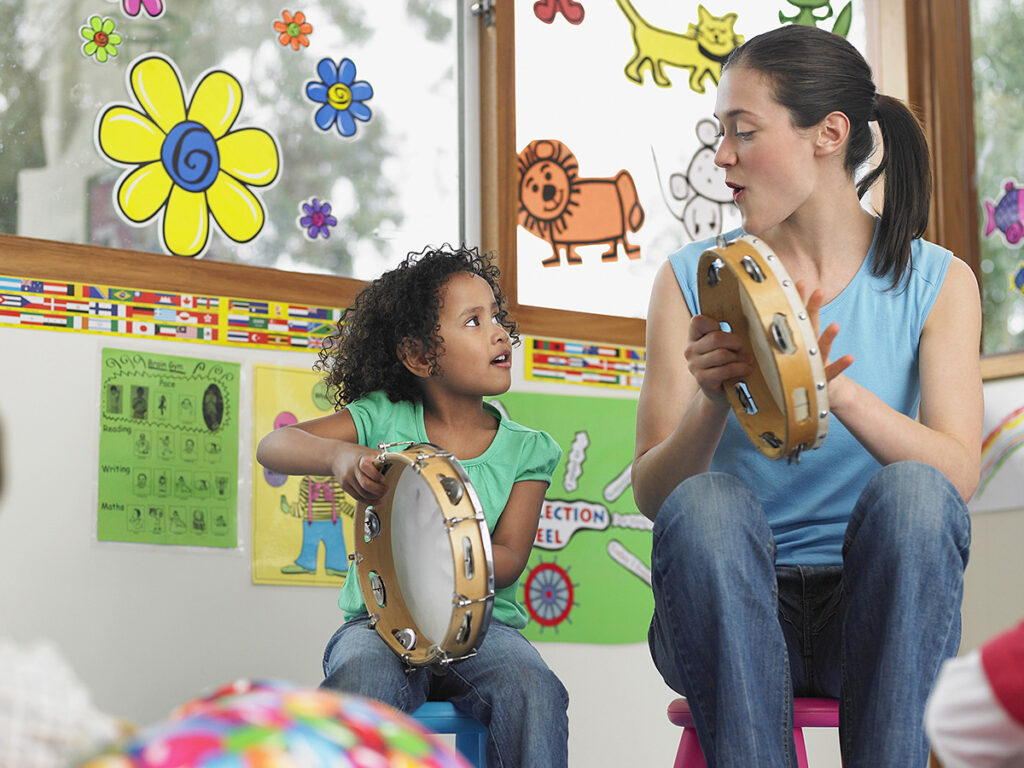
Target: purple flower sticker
318,219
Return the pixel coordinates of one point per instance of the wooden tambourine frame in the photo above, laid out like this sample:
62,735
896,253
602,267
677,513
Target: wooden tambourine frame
462,523
783,404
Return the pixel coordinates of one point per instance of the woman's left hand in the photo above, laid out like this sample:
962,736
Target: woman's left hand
834,369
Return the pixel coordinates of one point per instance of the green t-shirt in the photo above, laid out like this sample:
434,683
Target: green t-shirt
516,453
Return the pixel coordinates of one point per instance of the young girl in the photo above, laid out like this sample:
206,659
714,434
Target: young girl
842,575
413,360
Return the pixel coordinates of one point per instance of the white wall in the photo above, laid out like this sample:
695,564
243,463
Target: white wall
148,627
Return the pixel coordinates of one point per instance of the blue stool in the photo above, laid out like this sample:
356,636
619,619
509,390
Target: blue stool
470,735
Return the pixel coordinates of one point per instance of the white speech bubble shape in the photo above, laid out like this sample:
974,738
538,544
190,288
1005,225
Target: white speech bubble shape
574,462
628,560
559,520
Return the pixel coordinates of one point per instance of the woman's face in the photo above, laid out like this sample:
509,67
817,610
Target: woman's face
769,162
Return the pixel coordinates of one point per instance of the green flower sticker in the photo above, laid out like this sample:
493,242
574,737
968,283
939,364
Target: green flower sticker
101,40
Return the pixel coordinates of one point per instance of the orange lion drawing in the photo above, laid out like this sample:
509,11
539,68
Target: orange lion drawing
558,206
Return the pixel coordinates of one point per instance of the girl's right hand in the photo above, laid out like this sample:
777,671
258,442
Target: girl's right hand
713,357
357,473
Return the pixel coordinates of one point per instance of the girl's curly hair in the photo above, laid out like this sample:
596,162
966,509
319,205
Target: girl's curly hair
400,307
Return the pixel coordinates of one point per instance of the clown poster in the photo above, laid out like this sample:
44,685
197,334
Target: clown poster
301,525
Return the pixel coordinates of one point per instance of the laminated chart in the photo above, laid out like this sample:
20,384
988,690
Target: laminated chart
168,469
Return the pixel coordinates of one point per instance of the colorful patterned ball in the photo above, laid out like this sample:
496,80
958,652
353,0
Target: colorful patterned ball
270,724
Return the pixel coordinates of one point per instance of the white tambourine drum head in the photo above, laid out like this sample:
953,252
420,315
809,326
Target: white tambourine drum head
783,405
424,558
423,555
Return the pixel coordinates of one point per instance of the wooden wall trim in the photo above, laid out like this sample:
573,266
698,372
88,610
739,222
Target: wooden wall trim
29,257
1002,366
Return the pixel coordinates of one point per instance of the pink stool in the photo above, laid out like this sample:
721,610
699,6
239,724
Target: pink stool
807,713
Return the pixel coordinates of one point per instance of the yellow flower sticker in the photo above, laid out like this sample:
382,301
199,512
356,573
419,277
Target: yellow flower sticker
185,161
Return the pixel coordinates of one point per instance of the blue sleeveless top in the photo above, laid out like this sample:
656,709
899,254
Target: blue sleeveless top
808,504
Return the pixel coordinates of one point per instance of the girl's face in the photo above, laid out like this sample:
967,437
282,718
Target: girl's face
476,355
768,161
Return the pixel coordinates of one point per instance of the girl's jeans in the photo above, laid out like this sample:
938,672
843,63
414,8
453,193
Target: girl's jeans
506,686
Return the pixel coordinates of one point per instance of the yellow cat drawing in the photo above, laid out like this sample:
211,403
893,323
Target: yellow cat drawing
703,49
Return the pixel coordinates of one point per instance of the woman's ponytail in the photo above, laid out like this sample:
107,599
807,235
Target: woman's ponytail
908,186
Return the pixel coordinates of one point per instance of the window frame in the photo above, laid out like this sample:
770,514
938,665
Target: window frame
500,197
932,28
49,259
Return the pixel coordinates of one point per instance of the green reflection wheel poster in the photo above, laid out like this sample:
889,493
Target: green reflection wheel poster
588,578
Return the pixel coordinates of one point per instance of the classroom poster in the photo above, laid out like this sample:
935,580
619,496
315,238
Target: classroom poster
168,469
301,525
1002,460
588,578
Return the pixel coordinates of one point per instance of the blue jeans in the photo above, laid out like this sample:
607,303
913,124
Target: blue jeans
739,637
506,686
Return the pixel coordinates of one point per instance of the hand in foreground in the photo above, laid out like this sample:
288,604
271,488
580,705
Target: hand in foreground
357,473
714,356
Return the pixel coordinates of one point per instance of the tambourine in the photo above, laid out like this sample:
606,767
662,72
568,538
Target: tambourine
424,558
783,404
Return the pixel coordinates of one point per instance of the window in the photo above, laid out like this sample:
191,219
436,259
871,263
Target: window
960,88
588,100
56,185
616,140
339,187
997,58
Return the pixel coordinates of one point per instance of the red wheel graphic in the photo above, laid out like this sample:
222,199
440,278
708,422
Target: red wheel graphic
549,594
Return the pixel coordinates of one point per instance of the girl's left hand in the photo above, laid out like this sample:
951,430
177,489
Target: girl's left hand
833,370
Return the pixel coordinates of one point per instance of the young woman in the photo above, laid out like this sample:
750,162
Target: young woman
841,575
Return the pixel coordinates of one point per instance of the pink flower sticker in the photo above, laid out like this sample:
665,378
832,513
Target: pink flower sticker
154,8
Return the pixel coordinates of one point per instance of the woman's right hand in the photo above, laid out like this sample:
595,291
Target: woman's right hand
714,356
355,469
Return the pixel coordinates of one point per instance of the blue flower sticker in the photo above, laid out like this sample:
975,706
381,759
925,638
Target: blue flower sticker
342,96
